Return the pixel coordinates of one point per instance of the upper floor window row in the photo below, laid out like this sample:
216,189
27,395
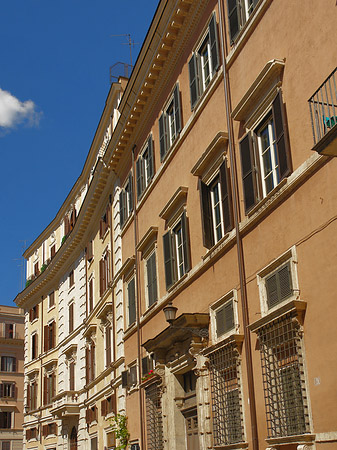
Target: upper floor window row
238,14
145,167
126,200
204,62
170,122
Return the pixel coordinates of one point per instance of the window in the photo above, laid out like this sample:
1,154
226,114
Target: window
104,223
204,62
5,445
34,347
176,252
126,200
148,365
7,390
71,279
170,123
108,405
32,395
36,269
34,313
283,377
89,251
131,302
31,433
90,295
9,330
90,362
238,13
108,331
52,251
6,419
104,273
91,414
216,207
110,441
72,375
93,443
265,156
50,428
151,279
51,299
48,388
225,392
144,168
279,285
8,364
154,420
49,336
71,317
224,318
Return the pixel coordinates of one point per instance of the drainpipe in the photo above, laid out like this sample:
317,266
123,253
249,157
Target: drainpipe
239,246
112,292
137,293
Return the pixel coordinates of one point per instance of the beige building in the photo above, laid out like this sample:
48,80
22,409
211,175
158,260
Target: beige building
207,197
12,334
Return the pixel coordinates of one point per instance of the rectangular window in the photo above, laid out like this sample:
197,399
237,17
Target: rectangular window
36,269
71,317
6,419
51,299
49,336
90,295
283,378
93,444
151,275
9,331
91,414
144,168
8,364
126,200
170,123
265,155
34,313
104,273
50,428
48,388
71,279
71,375
204,62
52,251
90,362
105,222
5,445
216,207
238,14
279,285
35,344
224,317
7,390
225,391
32,395
131,302
108,331
176,252
154,420
90,251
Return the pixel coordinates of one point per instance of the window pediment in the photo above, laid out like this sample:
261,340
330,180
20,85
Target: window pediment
212,157
174,206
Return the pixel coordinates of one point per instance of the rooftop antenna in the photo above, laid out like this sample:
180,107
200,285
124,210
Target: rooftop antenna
131,43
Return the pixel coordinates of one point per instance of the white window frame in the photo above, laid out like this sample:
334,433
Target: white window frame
214,307
171,123
179,262
215,184
148,256
291,257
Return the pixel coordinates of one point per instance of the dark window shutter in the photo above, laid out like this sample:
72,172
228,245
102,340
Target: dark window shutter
284,277
90,251
53,330
233,18
44,430
151,278
101,277
206,215
272,293
87,365
30,315
279,286
139,176
162,136
45,390
131,301
125,379
220,321
213,37
248,172
145,365
133,375
45,337
229,316
93,361
108,345
1,390
52,251
177,109
281,136
131,194
103,408
193,74
36,312
168,259
186,242
29,397
71,317
226,197
151,158
121,208
87,416
72,376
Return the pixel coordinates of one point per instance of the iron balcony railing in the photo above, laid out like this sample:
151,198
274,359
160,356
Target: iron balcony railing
323,107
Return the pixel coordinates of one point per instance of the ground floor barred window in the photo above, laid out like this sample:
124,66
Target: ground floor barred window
226,395
283,378
154,425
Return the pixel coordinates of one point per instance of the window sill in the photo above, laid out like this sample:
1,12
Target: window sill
129,329
296,439
51,308
215,247
237,446
71,288
268,198
177,283
150,308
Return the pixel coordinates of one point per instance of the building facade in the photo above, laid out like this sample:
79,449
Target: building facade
11,382
187,280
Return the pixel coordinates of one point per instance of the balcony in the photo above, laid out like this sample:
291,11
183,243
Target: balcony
66,404
323,111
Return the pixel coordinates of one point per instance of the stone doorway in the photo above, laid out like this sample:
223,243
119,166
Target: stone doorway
73,439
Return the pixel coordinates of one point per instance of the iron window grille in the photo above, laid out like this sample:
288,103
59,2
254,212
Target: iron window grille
226,395
283,378
154,425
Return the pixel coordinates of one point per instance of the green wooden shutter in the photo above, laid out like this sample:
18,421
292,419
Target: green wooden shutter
131,301
125,379
152,278
151,158
177,109
213,38
131,194
206,215
281,136
139,176
193,75
168,260
162,136
121,208
248,172
233,18
226,197
186,242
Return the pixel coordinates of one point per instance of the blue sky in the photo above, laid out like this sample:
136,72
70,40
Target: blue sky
54,79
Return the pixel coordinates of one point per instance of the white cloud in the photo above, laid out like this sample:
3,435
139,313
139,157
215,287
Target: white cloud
14,112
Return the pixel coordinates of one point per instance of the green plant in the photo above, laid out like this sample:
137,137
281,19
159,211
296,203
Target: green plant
63,239
43,267
148,375
28,282
119,425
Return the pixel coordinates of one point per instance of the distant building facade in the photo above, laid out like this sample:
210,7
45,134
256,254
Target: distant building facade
207,197
12,334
